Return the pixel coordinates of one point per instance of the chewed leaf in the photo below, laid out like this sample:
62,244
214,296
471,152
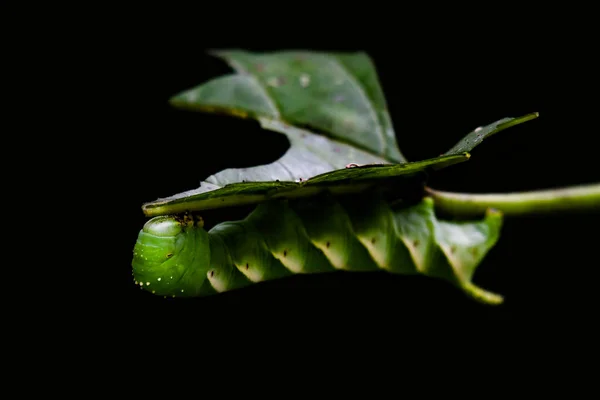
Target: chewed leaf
334,93
211,195
474,138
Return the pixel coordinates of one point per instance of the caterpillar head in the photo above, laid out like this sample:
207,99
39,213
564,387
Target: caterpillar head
171,256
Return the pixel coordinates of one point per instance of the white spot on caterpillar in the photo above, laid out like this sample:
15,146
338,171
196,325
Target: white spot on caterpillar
141,283
136,282
304,80
171,277
147,283
478,129
159,279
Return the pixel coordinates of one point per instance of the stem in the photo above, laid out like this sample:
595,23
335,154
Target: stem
574,198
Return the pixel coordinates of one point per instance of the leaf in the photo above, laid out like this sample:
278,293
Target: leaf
475,137
339,97
347,180
335,93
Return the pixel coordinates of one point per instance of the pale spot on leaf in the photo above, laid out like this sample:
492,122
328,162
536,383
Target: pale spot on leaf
304,80
274,82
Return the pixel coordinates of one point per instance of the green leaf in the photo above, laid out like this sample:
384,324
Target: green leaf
348,180
475,137
336,95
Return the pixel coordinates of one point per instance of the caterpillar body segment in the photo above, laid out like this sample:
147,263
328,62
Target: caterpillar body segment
167,254
286,237
330,230
176,256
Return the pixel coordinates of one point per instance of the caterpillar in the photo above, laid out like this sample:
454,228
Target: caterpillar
175,256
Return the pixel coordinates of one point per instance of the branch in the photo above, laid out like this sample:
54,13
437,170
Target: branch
574,198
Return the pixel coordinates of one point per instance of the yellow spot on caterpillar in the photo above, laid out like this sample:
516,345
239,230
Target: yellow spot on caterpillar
159,279
417,255
378,255
219,284
254,274
141,283
147,283
154,291
136,282
292,263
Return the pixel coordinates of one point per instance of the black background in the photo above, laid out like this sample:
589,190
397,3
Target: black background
440,84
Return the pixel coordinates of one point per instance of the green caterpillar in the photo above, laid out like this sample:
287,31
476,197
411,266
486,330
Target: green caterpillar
175,256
